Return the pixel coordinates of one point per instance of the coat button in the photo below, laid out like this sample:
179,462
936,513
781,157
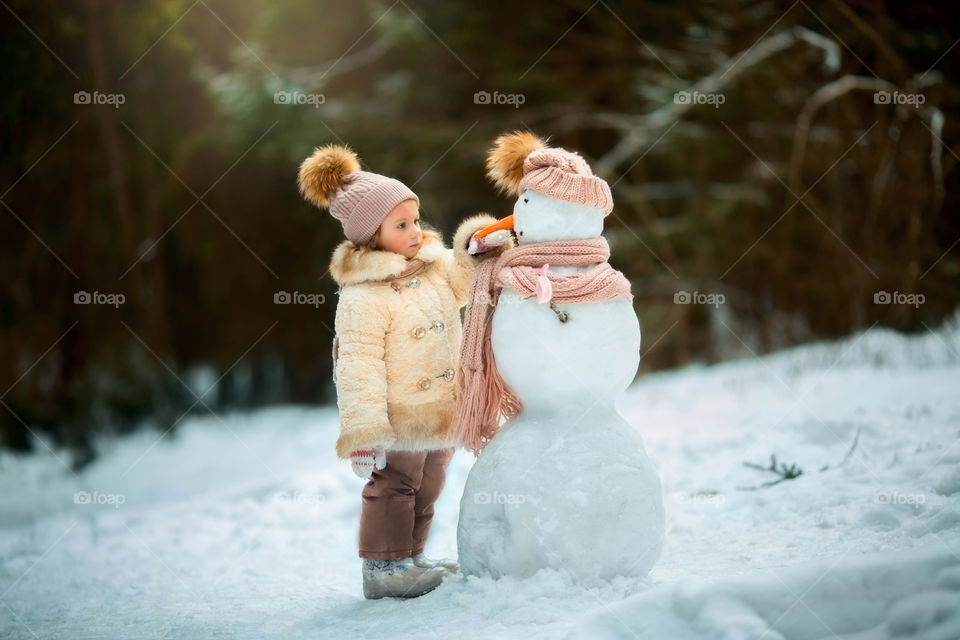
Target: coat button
424,383
419,332
448,374
414,283
438,326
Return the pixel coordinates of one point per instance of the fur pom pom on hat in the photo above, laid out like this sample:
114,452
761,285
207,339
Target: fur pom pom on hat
505,159
520,160
331,178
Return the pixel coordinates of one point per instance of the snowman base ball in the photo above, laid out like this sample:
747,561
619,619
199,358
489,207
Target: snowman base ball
527,506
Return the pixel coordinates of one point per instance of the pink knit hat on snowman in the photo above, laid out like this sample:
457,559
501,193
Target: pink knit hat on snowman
521,161
331,179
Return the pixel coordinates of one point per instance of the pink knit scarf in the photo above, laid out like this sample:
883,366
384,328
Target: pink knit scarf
482,395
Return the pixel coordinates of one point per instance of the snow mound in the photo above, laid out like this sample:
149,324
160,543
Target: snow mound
871,597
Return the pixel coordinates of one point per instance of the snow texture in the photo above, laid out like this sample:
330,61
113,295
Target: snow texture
246,527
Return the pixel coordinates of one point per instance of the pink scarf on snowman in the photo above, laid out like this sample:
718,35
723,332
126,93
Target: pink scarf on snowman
482,395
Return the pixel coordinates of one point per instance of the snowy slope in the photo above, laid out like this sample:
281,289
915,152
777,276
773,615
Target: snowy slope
244,526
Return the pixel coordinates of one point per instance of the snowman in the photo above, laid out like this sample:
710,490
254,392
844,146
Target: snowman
565,482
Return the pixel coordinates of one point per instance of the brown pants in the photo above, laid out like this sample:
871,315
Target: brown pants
398,503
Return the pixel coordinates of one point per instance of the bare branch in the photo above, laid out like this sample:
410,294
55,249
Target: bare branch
826,93
315,76
833,90
645,128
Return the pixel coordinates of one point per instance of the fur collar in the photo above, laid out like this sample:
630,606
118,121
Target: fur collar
351,264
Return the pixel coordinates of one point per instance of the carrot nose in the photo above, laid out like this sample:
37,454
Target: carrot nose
504,223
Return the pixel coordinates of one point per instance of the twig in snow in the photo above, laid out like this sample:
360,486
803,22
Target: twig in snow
853,446
793,471
786,472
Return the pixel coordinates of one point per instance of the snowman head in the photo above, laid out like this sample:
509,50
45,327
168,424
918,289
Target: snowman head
558,196
540,218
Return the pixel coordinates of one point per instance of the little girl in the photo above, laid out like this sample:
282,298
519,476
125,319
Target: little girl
395,353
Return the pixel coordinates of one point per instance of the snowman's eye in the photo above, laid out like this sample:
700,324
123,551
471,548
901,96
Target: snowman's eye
525,200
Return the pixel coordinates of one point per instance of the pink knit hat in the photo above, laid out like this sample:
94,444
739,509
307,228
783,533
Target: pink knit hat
331,178
521,161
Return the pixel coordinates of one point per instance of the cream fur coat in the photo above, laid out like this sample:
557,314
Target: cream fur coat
397,343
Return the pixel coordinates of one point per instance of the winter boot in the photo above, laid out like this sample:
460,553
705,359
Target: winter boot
423,561
399,578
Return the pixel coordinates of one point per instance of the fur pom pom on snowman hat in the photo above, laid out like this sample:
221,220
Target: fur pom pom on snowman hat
331,178
505,159
520,160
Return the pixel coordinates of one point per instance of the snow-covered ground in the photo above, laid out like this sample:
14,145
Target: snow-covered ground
245,526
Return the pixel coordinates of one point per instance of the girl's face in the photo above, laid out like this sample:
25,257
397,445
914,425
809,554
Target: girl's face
400,230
